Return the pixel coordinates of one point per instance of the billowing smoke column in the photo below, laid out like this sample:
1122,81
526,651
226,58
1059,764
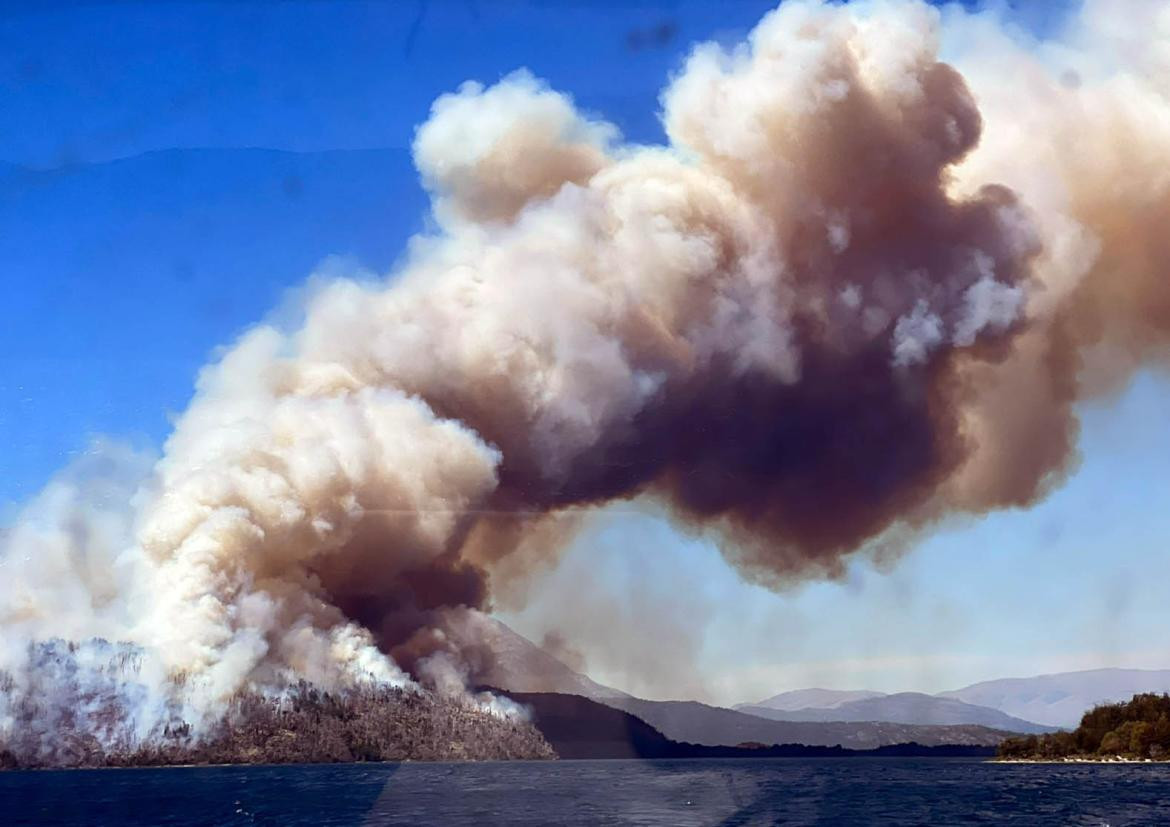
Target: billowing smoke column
858,291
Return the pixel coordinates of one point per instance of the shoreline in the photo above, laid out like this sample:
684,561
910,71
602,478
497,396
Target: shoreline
863,755
1078,760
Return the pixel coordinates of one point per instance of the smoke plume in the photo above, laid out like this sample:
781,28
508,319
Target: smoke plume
859,289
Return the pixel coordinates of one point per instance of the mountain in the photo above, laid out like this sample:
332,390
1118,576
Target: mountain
511,662
700,723
579,727
904,708
305,724
817,698
1061,699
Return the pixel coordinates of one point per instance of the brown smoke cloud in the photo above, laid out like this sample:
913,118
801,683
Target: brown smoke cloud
860,289
1079,128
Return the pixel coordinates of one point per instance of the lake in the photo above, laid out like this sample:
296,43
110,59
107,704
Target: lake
684,792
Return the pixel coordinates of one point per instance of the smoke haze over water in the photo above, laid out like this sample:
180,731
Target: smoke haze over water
859,290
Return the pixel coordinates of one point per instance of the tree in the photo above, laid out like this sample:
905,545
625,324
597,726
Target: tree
1137,728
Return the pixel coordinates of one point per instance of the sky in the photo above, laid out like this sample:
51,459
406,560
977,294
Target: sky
171,173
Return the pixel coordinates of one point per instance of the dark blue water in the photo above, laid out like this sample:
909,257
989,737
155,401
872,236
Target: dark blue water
726,792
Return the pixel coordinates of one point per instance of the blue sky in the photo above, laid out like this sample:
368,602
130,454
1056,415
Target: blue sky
169,171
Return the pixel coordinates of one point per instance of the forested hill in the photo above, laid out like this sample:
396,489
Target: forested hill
305,725
1135,729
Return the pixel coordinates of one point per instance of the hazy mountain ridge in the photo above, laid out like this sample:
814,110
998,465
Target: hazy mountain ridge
861,719
516,665
579,727
812,698
915,708
1043,701
1060,699
510,661
700,723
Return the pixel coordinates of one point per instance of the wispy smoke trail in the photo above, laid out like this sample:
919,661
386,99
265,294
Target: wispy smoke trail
860,289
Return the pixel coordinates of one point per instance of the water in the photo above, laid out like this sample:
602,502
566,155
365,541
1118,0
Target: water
727,792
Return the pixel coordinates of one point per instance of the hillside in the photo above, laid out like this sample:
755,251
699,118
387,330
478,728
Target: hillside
812,698
1061,699
904,708
699,723
305,726
1137,729
579,727
512,662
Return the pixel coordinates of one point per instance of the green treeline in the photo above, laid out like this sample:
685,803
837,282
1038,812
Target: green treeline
1139,728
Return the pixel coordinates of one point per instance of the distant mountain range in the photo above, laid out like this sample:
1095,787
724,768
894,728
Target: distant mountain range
701,723
857,719
1043,702
813,699
903,708
978,715
578,727
1059,700
516,665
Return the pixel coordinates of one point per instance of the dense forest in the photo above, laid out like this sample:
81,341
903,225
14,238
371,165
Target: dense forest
1135,729
307,725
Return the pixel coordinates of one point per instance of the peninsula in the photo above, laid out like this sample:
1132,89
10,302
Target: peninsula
1134,730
